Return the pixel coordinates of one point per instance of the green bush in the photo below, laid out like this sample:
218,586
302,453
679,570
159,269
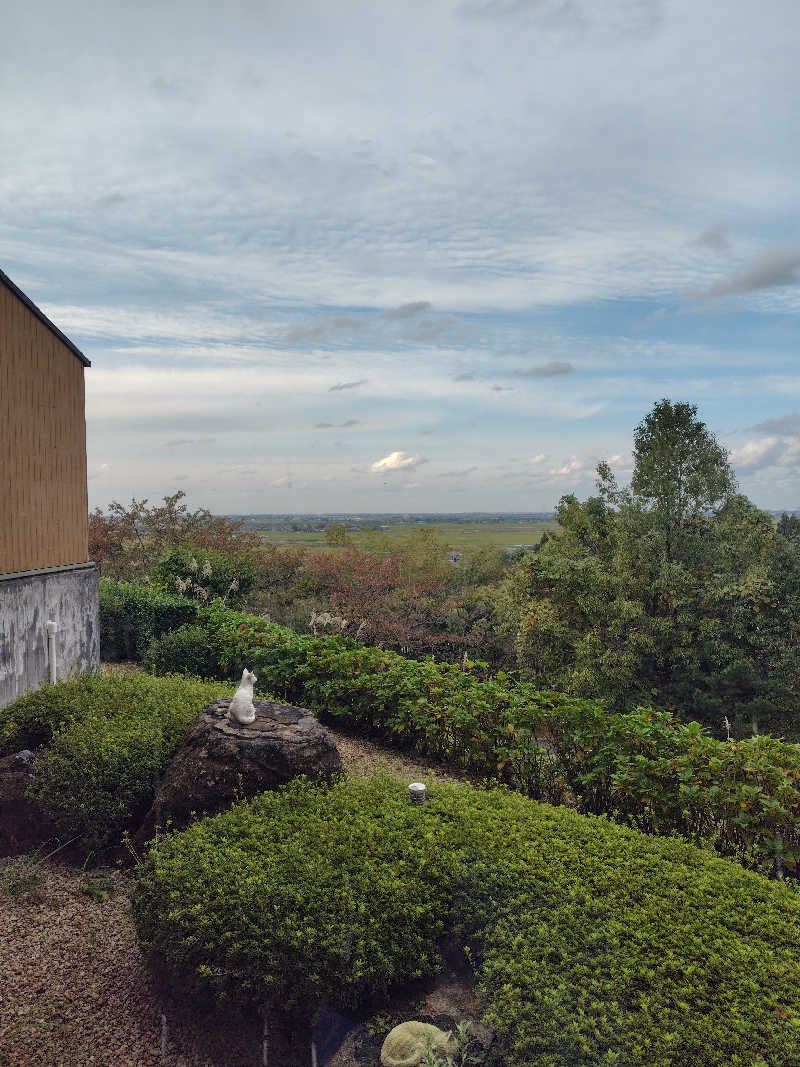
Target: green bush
205,574
300,895
110,737
31,720
595,944
131,616
644,768
187,650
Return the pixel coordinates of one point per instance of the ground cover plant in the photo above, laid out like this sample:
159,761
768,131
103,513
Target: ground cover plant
595,944
107,738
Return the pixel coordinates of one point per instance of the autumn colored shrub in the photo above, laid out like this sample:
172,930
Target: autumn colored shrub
125,540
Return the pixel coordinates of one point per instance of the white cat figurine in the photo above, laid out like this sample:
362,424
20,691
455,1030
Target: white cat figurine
241,709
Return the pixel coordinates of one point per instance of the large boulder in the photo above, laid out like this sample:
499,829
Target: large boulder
23,825
222,761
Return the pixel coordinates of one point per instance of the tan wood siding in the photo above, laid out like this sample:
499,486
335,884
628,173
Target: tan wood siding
43,502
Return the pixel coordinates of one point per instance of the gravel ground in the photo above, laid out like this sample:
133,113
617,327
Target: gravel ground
73,987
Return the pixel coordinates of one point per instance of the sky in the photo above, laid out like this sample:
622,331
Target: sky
442,255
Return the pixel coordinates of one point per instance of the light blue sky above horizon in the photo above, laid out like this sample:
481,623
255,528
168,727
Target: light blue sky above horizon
437,257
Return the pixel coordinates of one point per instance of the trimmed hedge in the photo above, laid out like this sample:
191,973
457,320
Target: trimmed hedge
109,738
644,768
131,616
595,944
185,650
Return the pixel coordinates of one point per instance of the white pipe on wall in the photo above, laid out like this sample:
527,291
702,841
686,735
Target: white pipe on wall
52,630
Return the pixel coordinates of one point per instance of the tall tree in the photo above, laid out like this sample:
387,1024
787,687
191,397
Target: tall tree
674,590
680,471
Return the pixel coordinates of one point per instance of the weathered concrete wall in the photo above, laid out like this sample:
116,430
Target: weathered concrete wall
68,596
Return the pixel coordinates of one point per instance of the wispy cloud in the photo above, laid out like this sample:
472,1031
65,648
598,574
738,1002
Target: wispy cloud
788,425
346,425
347,385
462,473
179,442
776,267
408,311
716,237
553,369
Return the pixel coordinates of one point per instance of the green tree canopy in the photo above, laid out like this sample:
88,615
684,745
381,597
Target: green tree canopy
674,591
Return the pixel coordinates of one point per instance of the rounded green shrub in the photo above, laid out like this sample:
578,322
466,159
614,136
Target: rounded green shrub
189,649
109,738
596,944
131,616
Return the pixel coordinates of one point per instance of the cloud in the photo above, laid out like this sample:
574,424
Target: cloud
788,425
755,455
407,311
178,442
502,388
395,461
775,267
239,470
326,331
715,237
467,376
457,473
536,460
570,466
103,468
434,329
347,385
546,370
336,425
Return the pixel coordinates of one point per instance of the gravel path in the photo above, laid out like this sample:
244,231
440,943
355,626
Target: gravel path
73,987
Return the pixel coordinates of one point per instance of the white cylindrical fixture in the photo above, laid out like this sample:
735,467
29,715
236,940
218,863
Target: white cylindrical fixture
52,630
416,793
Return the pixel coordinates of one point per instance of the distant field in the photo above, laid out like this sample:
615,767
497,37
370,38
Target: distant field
466,538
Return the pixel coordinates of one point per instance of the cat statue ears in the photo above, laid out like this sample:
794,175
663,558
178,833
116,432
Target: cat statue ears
241,709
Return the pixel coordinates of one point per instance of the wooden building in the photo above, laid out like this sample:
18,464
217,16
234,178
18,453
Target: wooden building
45,574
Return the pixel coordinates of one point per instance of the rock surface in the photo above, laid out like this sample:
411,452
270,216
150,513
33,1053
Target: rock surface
23,825
222,761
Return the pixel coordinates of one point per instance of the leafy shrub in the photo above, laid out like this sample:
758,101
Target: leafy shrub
595,944
187,650
645,768
110,738
31,720
131,616
205,574
299,895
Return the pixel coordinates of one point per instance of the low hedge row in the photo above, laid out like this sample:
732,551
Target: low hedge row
595,944
109,738
131,616
645,768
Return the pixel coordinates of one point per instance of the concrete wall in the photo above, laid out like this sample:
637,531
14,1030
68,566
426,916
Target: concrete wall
68,596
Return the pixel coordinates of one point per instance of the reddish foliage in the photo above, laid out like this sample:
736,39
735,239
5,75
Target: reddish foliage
127,540
401,607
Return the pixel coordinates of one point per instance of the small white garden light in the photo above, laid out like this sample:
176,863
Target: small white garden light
416,793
